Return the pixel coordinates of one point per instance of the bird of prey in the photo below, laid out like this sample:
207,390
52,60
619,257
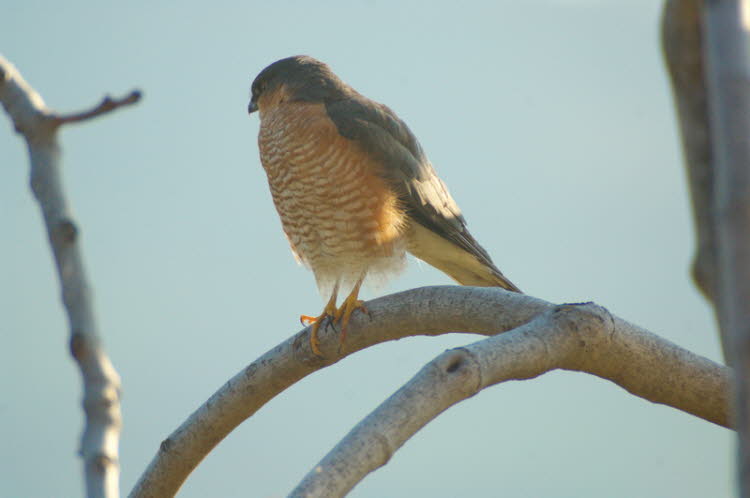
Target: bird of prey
354,189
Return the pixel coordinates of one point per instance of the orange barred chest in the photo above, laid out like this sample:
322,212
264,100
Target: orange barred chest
334,208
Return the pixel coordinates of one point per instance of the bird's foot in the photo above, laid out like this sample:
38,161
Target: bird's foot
328,315
344,313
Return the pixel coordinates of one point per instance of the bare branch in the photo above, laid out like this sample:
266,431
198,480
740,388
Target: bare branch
108,104
727,28
425,311
573,337
682,43
101,383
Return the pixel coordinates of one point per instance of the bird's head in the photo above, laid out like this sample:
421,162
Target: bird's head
294,79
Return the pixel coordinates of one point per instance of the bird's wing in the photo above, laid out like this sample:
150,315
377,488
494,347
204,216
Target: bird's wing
379,132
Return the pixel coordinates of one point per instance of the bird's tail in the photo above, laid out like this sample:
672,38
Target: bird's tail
497,279
465,267
478,274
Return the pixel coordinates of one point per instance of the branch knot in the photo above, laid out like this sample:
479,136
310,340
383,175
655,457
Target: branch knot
66,231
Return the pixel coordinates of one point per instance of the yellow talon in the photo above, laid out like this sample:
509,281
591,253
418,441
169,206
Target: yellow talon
336,315
329,312
314,342
344,313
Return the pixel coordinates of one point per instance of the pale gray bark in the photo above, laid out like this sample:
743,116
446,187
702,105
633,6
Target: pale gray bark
101,384
583,338
727,33
642,363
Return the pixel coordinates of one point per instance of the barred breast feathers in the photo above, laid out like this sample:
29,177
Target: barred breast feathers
340,217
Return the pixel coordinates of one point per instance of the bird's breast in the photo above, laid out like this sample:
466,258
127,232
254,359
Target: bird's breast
335,208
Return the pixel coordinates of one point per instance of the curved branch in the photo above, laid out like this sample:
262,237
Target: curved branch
101,383
425,311
573,337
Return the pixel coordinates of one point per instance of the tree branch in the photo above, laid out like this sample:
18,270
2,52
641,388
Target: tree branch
434,311
682,44
573,337
101,383
108,104
727,29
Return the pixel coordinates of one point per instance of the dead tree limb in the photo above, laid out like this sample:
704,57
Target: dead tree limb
584,338
101,384
641,362
726,24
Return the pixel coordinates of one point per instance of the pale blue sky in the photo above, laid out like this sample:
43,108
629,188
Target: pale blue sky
551,122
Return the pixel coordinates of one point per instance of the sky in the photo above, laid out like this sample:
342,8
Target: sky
551,121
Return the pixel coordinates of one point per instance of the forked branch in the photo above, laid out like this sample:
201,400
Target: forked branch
101,383
584,338
545,338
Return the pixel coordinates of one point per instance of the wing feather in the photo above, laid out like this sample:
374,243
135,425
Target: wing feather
378,130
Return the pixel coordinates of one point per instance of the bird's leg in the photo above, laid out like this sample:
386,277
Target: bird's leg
329,312
350,304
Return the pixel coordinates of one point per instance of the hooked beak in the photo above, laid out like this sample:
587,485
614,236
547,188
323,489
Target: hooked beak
252,107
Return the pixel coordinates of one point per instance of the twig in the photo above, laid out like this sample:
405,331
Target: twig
108,104
101,383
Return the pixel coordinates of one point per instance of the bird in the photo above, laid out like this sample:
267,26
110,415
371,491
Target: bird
354,189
